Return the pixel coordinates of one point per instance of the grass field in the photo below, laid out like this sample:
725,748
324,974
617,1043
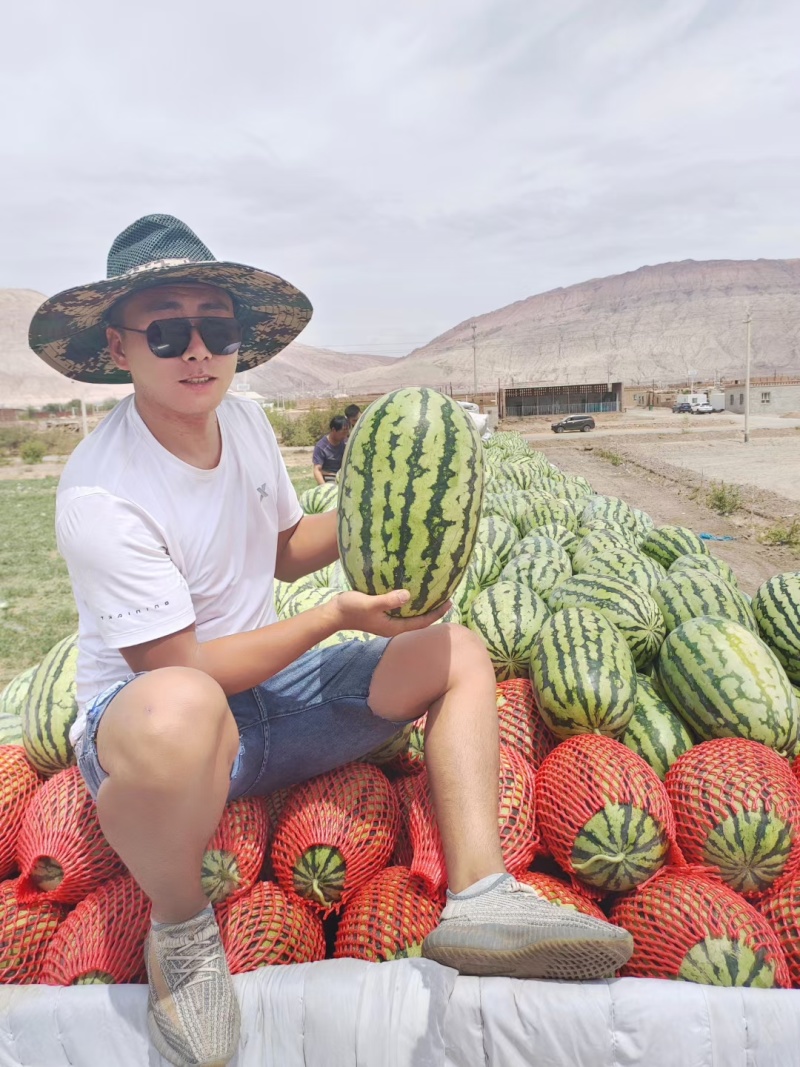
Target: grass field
36,605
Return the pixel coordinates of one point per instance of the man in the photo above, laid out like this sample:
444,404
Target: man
174,517
326,461
352,413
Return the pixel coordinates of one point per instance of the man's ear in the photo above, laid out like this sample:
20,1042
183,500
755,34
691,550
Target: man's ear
114,339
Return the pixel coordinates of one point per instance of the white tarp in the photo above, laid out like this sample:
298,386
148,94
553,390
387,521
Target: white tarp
413,1013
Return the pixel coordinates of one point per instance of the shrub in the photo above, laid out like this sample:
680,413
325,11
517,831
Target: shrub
307,428
781,534
33,450
614,458
724,499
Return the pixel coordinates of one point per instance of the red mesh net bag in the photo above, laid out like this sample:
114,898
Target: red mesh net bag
101,942
604,814
61,851
558,892
235,854
521,726
403,849
336,831
411,758
737,812
265,926
18,782
516,821
25,933
781,909
387,919
689,927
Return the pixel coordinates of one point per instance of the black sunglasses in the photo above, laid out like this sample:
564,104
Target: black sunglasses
167,338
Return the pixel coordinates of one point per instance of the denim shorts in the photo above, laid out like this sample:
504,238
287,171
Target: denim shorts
307,719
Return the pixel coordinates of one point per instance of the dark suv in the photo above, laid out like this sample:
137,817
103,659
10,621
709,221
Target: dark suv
682,409
574,422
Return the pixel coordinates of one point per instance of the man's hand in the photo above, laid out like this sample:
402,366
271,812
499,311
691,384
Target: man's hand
358,611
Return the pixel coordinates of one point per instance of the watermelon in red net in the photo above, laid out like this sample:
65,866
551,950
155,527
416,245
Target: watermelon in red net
61,851
737,812
388,918
558,892
101,942
335,832
18,782
603,814
405,792
687,927
781,909
516,821
235,854
521,726
265,926
25,933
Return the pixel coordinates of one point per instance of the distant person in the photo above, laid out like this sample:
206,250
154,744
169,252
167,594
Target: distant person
351,413
329,450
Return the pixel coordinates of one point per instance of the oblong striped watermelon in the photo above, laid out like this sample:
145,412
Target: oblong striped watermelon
508,617
666,543
560,534
51,708
537,573
705,562
633,611
724,682
688,594
10,729
610,509
319,498
535,544
387,919
597,540
410,497
777,610
627,564
781,909
13,697
485,564
655,732
583,674
499,534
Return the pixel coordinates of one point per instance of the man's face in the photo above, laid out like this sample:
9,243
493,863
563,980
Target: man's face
352,420
191,384
337,436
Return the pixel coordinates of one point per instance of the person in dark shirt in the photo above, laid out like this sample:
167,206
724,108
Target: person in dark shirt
352,413
329,450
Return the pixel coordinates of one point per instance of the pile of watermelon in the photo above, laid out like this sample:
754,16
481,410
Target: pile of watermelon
650,754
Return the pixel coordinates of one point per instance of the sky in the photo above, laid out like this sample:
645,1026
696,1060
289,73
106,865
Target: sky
408,165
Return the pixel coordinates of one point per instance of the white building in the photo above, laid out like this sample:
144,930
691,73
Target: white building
768,396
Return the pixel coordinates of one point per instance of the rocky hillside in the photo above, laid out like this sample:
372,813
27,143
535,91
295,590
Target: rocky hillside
663,323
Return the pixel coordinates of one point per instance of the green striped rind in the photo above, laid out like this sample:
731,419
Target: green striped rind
543,548
51,708
511,506
560,534
410,497
723,961
304,599
749,849
544,511
627,564
508,617
486,564
322,577
655,732
776,606
583,674
619,847
10,728
688,594
319,875
610,509
337,579
319,498
666,543
725,682
343,637
499,534
537,573
13,697
518,475
627,537
634,612
644,524
605,540
708,563
572,489
281,591
465,592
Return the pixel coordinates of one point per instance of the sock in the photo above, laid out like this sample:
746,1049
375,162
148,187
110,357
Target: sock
207,910
477,889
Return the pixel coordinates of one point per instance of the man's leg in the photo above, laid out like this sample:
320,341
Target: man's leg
167,742
498,926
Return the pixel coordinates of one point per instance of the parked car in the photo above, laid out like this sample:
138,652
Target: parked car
702,409
574,422
682,409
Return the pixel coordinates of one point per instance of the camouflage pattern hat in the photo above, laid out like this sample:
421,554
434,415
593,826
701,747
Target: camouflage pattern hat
69,330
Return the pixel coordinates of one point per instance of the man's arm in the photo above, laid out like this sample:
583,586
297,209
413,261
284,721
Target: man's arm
317,471
305,547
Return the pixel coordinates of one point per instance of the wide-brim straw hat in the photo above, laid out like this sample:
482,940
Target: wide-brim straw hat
69,330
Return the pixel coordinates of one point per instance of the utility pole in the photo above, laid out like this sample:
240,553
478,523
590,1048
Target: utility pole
747,323
474,363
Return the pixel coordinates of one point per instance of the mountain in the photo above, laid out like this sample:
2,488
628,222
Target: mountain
667,323
298,371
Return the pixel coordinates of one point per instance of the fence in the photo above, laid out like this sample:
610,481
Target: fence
533,406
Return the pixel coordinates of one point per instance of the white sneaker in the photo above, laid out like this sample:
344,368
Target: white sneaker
510,930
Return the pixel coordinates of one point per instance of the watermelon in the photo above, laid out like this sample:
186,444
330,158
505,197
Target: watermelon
51,708
520,725
26,930
10,729
18,782
267,926
337,579
560,534
690,928
776,606
688,594
562,893
319,498
627,564
666,543
499,534
704,562
595,541
507,617
387,919
304,599
611,510
511,506
13,697
534,544
633,611
724,682
485,564
537,573
655,732
583,674
547,510
781,909
410,497
235,854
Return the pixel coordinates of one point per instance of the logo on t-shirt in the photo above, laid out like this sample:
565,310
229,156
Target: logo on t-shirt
262,491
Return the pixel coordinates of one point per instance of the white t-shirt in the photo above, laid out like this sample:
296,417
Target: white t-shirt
153,544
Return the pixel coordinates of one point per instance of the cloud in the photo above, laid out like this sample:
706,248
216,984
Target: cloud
408,165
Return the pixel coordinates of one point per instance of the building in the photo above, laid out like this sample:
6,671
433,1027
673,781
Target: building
768,396
527,400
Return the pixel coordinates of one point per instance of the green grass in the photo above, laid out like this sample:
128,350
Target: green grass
37,608
614,458
782,534
724,499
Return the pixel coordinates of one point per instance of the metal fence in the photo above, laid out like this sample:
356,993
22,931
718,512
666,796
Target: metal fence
532,406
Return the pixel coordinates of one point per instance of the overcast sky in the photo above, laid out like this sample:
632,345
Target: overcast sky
408,164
